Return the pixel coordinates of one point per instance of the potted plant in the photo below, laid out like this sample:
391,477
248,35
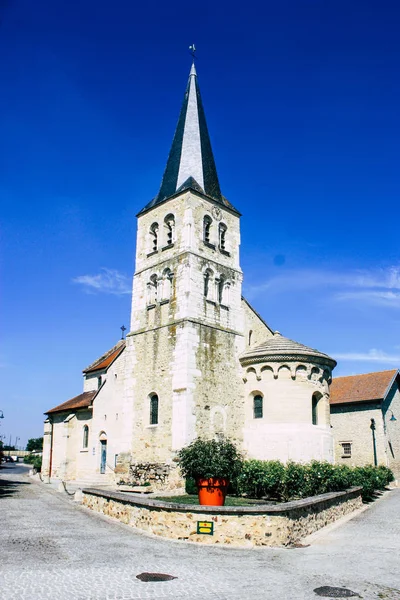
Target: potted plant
212,464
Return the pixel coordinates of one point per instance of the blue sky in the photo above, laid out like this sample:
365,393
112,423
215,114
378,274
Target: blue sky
302,102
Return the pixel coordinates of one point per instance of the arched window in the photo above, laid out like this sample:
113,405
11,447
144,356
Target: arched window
223,291
154,409
208,285
315,400
152,290
85,441
258,407
167,284
250,336
169,223
207,222
154,237
221,285
222,229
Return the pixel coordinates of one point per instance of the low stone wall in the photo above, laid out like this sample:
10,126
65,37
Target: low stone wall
257,525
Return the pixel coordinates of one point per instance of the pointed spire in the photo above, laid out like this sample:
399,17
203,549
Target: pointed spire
190,162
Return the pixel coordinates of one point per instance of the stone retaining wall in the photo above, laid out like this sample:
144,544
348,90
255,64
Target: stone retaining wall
257,525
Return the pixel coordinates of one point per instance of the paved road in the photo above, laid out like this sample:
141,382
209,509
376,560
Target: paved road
53,548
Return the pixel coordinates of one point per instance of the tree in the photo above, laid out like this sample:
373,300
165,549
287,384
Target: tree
35,445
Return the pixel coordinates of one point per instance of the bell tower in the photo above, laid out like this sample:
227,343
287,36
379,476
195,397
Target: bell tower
187,316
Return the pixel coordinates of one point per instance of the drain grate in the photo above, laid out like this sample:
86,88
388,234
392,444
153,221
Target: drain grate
155,577
334,592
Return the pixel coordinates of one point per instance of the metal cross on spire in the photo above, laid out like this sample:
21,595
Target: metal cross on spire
192,50
123,329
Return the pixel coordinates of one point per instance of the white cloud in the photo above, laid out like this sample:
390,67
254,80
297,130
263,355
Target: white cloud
381,297
109,281
374,286
372,355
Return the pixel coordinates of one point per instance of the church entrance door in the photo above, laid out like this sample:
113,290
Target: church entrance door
103,455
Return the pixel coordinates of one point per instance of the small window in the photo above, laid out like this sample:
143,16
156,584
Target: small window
250,336
208,282
222,236
154,410
207,222
258,407
154,237
99,382
166,283
85,441
346,449
169,222
315,400
152,289
221,284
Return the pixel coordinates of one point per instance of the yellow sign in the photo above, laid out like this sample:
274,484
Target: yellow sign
205,527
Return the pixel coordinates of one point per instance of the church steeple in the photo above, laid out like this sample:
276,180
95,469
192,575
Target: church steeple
190,162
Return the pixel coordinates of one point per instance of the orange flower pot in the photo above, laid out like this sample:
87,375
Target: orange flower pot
212,492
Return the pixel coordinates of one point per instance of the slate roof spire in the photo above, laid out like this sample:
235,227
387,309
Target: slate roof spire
190,162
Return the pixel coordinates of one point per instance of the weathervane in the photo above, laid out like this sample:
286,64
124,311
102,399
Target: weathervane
192,50
123,329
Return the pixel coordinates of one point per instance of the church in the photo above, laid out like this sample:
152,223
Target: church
198,360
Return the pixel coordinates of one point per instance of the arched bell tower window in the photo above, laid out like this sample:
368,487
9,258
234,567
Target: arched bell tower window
85,440
221,285
154,409
169,223
207,223
222,229
167,277
208,284
258,407
154,237
152,290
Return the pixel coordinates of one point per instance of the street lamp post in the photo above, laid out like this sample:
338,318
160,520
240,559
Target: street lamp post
373,427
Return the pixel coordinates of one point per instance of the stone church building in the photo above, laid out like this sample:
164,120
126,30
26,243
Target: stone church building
198,359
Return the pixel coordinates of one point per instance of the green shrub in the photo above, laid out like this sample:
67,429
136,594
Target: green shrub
210,458
371,479
294,481
190,486
35,460
273,479
260,478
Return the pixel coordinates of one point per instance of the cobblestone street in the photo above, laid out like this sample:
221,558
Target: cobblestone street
54,548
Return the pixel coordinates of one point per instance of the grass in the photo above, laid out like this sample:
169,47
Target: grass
193,499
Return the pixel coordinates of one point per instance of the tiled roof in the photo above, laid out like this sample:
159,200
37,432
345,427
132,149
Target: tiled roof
107,359
278,348
190,164
82,401
361,388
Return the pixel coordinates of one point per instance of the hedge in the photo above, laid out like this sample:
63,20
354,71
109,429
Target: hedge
274,480
35,461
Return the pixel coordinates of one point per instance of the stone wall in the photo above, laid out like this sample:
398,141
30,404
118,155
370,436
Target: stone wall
256,331
351,424
266,525
391,407
161,476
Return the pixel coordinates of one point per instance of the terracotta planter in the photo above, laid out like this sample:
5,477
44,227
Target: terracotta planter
212,492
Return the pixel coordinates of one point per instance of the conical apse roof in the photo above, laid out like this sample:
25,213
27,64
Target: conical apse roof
280,348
